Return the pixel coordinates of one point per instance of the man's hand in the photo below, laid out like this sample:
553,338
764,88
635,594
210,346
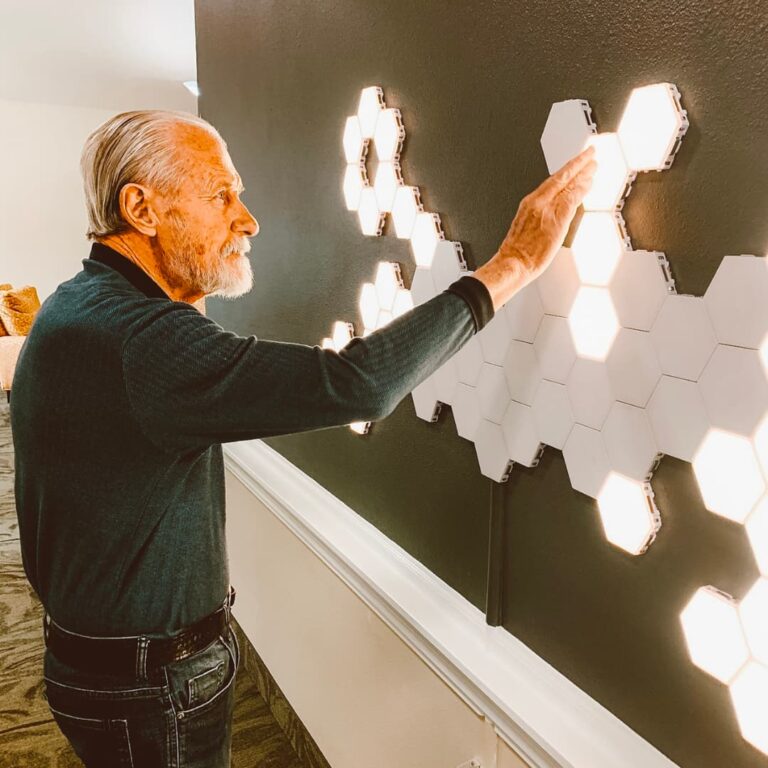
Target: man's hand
538,229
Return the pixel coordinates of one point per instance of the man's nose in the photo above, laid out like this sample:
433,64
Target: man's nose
247,224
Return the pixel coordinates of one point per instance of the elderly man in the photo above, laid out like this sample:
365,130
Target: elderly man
123,395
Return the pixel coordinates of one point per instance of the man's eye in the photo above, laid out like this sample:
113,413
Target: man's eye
222,195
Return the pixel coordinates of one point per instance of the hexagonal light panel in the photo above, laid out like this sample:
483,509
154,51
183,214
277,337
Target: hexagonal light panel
593,322
371,218
492,451
405,207
736,301
569,126
586,460
612,178
353,185
629,441
629,516
735,389
597,246
728,475
757,532
427,232
652,127
552,413
388,135
753,612
639,286
369,108
683,337
713,634
678,417
589,392
386,184
355,146
559,284
749,692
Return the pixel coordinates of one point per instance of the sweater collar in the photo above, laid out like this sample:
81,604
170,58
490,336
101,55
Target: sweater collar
130,271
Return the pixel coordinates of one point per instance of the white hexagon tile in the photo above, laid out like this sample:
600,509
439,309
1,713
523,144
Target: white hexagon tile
602,359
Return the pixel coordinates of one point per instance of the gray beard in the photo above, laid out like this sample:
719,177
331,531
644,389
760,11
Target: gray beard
182,267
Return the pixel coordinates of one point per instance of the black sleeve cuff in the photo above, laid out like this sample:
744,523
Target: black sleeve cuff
474,292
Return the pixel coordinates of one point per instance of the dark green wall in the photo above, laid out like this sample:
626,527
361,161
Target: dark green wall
475,82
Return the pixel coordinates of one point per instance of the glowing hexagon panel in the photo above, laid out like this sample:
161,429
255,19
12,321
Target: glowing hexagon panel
714,634
629,516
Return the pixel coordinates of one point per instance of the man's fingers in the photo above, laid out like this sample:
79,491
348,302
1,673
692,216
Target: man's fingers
583,162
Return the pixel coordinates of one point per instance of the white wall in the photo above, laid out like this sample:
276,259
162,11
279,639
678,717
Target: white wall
363,694
42,209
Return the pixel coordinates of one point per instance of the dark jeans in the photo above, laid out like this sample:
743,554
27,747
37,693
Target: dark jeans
179,716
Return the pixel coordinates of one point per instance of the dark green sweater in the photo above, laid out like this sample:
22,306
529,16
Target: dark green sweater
121,400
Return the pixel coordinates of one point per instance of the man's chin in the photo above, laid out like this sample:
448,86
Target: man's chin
240,285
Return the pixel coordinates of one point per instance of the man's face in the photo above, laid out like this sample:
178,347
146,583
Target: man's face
204,227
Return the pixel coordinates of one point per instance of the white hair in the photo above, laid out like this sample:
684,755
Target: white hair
132,147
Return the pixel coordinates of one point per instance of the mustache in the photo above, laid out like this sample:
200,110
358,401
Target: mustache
240,245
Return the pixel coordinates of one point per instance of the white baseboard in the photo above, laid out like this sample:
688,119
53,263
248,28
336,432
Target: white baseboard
546,719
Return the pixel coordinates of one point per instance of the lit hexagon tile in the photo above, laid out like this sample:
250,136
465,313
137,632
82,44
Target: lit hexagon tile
628,513
749,692
597,246
728,474
612,179
593,322
714,635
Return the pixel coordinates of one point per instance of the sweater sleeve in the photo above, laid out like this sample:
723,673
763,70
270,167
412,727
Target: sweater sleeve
191,383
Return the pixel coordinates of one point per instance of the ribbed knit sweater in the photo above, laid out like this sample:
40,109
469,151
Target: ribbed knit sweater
121,400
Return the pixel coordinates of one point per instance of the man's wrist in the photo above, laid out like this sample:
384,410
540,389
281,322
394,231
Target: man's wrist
503,276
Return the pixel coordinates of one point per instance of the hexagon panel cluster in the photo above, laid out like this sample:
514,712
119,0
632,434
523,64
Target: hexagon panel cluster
602,359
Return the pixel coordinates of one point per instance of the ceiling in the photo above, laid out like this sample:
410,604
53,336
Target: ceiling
122,54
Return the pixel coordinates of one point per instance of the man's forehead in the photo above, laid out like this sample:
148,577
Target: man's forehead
217,176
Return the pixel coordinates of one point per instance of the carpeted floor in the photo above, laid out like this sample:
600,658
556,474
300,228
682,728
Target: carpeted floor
29,737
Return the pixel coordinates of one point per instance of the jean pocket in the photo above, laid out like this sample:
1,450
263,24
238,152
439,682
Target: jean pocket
196,682
96,741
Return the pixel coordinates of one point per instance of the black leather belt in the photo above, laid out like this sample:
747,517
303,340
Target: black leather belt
138,656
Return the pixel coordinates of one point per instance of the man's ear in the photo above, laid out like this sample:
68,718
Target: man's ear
136,207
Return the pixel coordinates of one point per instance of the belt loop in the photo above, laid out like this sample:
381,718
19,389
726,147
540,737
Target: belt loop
141,658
